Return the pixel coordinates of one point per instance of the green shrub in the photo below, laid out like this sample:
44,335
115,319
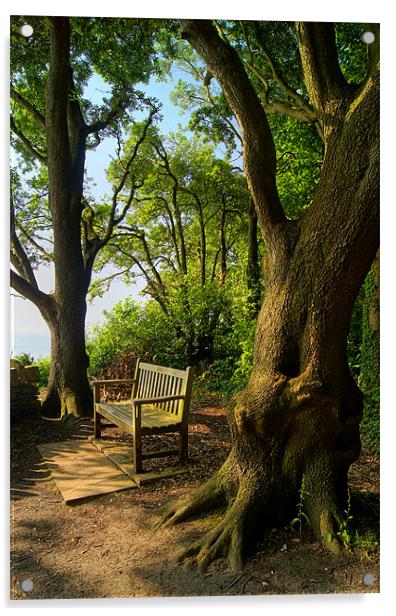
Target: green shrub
25,359
208,327
130,326
44,365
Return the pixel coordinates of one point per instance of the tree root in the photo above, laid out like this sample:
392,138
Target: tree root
227,539
206,498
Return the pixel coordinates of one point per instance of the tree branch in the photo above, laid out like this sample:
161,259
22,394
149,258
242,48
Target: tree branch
259,150
43,301
157,293
227,120
141,236
295,96
35,244
291,112
171,228
160,149
113,219
324,80
31,109
26,142
102,124
21,263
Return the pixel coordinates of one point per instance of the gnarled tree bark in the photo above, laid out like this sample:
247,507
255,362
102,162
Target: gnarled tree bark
298,418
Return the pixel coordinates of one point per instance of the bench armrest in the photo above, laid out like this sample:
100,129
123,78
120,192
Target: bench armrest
140,401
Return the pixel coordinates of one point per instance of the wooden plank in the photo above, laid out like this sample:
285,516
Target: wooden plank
136,379
155,384
97,487
121,414
80,471
144,379
170,387
113,382
152,416
148,384
187,391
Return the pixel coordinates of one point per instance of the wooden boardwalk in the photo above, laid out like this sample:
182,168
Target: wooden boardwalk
81,471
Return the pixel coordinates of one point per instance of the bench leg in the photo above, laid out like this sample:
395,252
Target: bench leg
97,425
137,451
184,445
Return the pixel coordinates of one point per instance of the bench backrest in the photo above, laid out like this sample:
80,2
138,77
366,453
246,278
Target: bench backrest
152,381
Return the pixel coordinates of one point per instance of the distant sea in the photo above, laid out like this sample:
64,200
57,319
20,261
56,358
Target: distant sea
37,345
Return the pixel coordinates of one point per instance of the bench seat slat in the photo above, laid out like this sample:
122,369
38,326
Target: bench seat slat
152,417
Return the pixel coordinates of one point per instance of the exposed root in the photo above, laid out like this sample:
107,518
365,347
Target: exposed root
206,498
227,540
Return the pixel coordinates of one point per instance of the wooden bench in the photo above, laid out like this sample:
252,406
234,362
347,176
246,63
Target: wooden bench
160,403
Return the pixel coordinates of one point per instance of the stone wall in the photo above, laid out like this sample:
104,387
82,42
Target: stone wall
24,392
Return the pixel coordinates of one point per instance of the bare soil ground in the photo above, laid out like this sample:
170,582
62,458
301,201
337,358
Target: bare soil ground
107,546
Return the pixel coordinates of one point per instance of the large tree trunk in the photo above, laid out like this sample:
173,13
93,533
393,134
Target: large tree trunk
68,391
298,418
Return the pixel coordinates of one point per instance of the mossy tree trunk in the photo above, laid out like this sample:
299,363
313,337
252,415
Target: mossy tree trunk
299,415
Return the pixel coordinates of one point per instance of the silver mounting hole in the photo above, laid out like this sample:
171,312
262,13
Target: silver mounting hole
368,37
26,30
27,585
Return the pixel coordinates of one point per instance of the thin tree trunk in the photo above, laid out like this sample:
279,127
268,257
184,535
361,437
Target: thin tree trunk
253,270
203,244
223,243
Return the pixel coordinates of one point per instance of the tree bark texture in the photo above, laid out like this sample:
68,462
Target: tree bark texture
298,418
68,390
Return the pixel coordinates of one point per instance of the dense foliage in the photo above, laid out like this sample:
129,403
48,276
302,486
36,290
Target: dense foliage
144,330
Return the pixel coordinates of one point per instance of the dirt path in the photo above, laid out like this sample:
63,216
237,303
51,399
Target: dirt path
106,547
